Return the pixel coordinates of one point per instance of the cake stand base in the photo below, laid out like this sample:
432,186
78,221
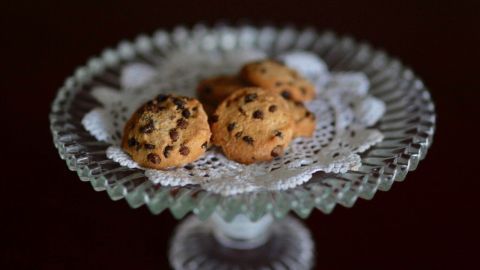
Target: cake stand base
208,245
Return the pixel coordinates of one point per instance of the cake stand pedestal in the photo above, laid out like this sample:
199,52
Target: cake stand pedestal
241,244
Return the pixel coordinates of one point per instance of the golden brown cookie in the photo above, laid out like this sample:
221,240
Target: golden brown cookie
274,76
304,120
214,90
168,131
252,125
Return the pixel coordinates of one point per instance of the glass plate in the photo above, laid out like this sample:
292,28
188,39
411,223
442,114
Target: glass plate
408,124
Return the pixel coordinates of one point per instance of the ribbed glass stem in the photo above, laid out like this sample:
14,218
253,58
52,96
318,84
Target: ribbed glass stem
241,233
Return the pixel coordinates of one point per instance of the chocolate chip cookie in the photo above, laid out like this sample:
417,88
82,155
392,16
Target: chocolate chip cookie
252,125
214,90
168,131
276,77
304,120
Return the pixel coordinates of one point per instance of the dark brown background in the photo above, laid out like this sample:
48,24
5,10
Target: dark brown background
51,220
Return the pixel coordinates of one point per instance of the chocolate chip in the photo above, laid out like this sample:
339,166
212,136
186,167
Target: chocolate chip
180,103
151,107
248,139
184,151
173,134
189,167
307,114
148,128
149,146
213,119
286,94
298,104
167,150
250,97
195,109
272,108
161,108
276,151
186,113
152,103
242,111
182,123
204,145
230,127
263,70
132,142
162,97
140,111
278,134
153,158
258,114
238,134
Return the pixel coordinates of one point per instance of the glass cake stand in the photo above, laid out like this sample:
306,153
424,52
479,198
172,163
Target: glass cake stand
250,230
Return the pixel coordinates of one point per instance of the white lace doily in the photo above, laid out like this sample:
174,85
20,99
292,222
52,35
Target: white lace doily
344,111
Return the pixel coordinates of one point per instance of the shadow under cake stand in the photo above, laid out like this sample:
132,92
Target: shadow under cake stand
252,230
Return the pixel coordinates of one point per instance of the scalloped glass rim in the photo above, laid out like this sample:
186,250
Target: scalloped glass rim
408,124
